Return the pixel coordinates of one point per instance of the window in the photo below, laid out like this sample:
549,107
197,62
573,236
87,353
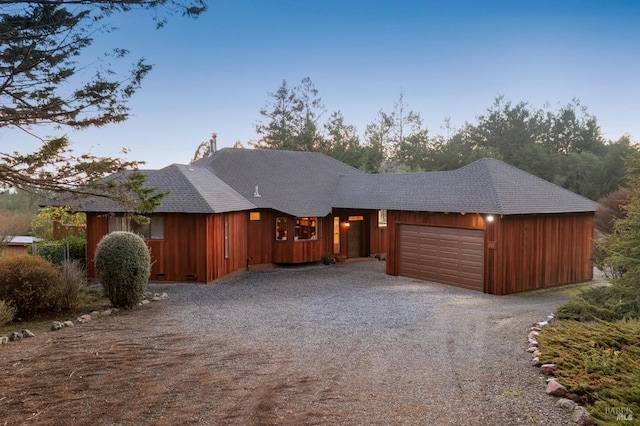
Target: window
226,236
306,228
382,218
254,215
336,235
281,228
153,230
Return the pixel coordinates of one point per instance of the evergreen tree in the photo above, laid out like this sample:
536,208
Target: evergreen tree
43,84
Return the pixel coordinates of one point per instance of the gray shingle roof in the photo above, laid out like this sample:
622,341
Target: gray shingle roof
311,184
192,190
486,186
297,183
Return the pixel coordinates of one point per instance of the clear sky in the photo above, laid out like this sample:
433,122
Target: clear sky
450,58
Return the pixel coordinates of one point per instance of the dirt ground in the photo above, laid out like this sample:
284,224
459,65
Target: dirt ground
345,345
123,370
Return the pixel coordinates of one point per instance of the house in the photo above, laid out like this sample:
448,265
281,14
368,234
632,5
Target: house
18,245
486,226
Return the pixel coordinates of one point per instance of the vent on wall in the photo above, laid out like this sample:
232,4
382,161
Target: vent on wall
256,193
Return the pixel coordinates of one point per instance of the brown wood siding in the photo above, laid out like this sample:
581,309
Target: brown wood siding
219,265
261,235
538,251
522,252
192,248
291,251
96,229
396,218
262,246
15,250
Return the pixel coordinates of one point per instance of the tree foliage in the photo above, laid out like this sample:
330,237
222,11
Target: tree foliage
12,224
564,146
43,85
291,118
622,246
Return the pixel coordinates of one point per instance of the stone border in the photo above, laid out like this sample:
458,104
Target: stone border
579,415
57,325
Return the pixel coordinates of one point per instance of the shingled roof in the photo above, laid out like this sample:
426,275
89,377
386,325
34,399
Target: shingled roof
301,184
486,186
307,184
191,190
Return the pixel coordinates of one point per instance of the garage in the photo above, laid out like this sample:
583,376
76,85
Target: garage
453,256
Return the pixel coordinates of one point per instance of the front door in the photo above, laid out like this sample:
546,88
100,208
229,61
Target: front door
355,239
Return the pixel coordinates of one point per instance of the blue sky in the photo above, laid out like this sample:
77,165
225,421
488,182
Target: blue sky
449,58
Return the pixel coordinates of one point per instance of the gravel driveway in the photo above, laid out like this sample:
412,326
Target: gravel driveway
348,344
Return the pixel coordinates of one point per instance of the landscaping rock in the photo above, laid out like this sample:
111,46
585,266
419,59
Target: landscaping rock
581,417
556,389
56,325
531,349
535,362
15,336
536,353
533,334
106,313
68,323
84,318
548,369
27,333
533,342
565,404
95,315
4,340
160,296
144,302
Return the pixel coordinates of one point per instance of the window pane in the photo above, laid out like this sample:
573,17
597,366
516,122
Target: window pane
306,228
142,229
281,228
382,218
157,228
226,236
117,223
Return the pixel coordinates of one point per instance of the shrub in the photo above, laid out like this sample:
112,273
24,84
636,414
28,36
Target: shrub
608,303
30,284
7,313
54,251
72,280
123,264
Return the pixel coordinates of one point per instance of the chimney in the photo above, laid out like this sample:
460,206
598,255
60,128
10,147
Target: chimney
213,143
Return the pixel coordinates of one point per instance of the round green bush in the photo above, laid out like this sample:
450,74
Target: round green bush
123,264
30,284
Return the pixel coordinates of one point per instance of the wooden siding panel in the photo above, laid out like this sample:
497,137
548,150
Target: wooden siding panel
539,251
192,248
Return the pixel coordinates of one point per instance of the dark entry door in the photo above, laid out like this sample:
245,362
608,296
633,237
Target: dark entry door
355,239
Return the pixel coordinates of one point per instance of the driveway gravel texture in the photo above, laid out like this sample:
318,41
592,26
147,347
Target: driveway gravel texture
321,344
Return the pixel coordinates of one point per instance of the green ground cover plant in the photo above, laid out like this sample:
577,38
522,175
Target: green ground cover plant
599,362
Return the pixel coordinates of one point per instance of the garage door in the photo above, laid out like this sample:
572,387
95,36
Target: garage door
445,255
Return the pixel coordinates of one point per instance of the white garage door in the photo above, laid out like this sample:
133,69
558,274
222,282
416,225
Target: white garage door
452,256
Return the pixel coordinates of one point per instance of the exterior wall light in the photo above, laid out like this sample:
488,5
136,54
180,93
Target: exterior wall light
489,218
